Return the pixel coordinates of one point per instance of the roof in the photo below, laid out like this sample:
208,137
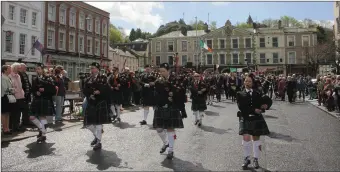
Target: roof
140,40
176,34
121,52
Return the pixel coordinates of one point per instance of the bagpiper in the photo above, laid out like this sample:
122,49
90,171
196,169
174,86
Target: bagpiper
252,124
96,90
43,88
198,91
167,116
148,79
116,95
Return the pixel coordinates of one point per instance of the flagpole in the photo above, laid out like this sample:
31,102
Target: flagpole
31,48
197,43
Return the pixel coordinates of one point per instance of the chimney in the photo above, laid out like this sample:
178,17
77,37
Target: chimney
280,24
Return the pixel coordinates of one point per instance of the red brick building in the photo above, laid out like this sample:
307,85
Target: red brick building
75,35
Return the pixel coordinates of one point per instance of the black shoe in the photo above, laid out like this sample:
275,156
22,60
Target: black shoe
196,122
97,146
40,134
94,141
170,155
256,163
117,120
246,162
41,139
163,149
199,123
143,122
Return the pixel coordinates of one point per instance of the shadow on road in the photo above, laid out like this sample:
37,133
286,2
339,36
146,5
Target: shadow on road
5,144
57,126
214,130
104,159
211,113
217,106
123,125
39,149
181,165
279,136
270,117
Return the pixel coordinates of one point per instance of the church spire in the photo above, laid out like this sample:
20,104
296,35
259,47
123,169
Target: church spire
250,20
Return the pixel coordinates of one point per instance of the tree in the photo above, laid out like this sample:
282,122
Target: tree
307,23
270,22
138,34
132,35
115,35
244,25
200,25
288,21
213,25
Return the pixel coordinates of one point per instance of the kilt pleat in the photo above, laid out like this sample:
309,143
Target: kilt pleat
148,97
255,126
116,97
42,107
167,118
96,114
198,105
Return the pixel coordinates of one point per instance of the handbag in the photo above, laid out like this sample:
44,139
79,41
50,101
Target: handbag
11,98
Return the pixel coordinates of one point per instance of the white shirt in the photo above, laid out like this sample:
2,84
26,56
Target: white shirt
250,91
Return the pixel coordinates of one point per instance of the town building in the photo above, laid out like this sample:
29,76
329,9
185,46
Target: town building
337,22
122,59
75,35
23,25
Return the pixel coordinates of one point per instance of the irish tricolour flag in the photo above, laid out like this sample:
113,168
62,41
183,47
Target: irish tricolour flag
205,46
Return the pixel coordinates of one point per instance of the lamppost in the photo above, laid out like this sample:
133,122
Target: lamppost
254,48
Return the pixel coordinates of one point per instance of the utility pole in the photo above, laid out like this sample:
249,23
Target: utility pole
197,43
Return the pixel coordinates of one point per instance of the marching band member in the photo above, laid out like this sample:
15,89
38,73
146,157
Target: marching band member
43,88
252,124
96,91
167,116
148,79
198,91
116,94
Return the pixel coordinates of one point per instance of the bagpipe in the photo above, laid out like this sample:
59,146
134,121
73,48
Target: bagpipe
47,82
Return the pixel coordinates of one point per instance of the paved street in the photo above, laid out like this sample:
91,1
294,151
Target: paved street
302,138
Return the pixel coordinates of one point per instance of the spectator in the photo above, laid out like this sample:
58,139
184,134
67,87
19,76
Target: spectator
6,89
26,85
59,98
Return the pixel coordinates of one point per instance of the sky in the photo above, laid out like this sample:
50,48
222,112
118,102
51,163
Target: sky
150,15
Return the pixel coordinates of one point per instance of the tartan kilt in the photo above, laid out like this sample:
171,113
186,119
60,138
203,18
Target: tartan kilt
116,97
167,118
198,105
97,113
254,125
42,107
148,97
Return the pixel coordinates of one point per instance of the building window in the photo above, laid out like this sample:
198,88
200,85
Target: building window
262,58
88,46
61,40
209,43
62,16
72,19
9,42
262,42
184,46
235,58
291,57
23,15
104,28
275,57
97,48
170,46
248,58
22,43
248,43
275,42
184,60
158,46
305,41
11,12
81,44
171,60
196,59
50,36
33,49
234,43
291,41
222,59
34,18
81,22
97,26
51,10
71,43
89,25
222,44
195,44
158,60
104,50
209,59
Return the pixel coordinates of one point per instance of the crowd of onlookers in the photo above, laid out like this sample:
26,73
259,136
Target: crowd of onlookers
16,96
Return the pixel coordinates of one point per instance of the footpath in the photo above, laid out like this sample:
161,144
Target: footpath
67,123
314,102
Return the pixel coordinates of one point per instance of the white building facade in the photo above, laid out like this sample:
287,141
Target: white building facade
119,57
22,27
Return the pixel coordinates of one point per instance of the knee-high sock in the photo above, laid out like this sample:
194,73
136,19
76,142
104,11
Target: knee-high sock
43,122
146,112
246,148
37,123
99,132
256,148
200,115
195,113
113,109
171,139
92,128
117,107
162,134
